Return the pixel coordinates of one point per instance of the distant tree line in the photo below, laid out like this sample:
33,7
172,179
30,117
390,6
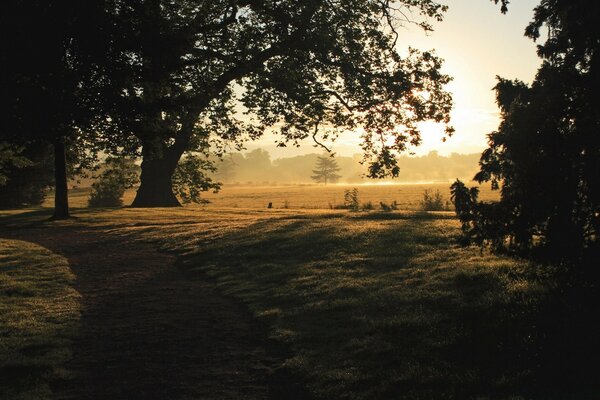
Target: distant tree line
257,167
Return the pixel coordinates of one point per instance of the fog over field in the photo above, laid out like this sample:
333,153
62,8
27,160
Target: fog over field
257,167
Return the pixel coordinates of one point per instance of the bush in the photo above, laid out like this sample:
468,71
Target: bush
351,201
433,202
388,207
368,206
25,175
119,174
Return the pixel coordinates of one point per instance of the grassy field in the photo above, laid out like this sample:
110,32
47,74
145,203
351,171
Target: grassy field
39,311
377,305
407,196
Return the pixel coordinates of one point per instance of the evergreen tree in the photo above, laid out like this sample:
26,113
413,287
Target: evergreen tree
545,155
326,170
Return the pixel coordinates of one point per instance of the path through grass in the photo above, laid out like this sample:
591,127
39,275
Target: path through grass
381,305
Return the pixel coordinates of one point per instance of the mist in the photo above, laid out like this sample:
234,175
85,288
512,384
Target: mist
257,167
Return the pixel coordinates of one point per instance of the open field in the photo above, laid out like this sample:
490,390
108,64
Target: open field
407,196
375,305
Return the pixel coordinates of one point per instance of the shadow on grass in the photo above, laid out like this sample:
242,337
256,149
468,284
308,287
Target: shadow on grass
380,306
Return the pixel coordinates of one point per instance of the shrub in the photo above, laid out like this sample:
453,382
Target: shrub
368,206
433,202
26,173
351,201
119,174
388,207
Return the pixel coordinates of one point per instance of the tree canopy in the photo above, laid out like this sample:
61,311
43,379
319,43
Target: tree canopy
193,74
49,54
545,155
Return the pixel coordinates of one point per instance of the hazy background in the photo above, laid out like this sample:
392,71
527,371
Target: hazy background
258,167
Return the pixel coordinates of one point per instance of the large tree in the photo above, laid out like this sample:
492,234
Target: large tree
191,72
47,52
545,156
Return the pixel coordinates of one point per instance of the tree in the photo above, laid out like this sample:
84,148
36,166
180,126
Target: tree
545,155
303,69
46,77
225,168
26,177
326,170
11,157
118,175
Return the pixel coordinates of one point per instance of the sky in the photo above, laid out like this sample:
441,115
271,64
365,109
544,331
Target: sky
477,43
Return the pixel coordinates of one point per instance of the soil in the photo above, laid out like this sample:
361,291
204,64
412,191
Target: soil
150,330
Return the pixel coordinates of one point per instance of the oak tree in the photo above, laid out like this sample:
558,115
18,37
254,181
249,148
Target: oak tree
191,75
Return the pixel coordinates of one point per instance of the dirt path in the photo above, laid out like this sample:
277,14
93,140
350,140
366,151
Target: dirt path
148,331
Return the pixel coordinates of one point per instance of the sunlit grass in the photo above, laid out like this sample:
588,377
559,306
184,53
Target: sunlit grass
39,312
407,196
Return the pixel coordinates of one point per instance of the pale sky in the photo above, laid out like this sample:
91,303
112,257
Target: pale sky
477,43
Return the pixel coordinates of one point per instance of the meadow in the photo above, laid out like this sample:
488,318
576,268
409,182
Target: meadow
369,305
308,196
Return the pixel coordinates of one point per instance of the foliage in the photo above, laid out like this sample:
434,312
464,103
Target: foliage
309,69
11,156
351,200
118,174
39,314
388,207
189,179
28,177
432,202
51,88
326,170
465,202
545,155
368,206
504,5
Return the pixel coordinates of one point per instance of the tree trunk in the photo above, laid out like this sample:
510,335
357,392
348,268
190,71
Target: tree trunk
156,187
61,198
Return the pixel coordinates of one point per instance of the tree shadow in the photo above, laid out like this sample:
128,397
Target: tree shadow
398,310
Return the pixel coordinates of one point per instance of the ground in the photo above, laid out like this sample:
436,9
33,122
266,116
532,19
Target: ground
231,302
149,331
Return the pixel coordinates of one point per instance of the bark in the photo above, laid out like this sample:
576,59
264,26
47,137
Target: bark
156,187
61,198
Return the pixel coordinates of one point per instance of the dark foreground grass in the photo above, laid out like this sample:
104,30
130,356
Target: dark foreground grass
39,311
378,308
386,305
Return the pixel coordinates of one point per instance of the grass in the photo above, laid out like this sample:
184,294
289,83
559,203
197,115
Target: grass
39,311
380,305
378,308
406,196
